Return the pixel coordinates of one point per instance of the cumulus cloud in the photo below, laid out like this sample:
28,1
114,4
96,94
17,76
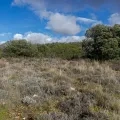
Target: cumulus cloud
33,37
18,36
40,38
66,24
57,22
71,39
63,24
114,19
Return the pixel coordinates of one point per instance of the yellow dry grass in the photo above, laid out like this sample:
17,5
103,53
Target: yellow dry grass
57,80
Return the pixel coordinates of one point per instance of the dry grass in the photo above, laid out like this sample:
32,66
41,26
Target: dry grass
54,89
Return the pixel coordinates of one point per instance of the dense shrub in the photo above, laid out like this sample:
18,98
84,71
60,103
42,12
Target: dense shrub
61,50
77,108
0,53
88,48
20,48
102,43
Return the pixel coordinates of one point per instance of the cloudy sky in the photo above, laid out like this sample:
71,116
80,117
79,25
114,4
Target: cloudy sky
46,21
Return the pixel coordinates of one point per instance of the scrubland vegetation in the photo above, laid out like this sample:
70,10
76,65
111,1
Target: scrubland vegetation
62,81
101,43
55,89
22,48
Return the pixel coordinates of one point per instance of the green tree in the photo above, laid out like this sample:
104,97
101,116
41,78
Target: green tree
17,48
88,48
102,42
110,49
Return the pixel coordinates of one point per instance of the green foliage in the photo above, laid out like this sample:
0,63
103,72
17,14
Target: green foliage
4,113
102,43
88,49
20,48
99,31
110,49
0,53
116,33
61,50
116,30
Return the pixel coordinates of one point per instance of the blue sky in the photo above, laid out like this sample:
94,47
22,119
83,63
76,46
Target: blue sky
45,21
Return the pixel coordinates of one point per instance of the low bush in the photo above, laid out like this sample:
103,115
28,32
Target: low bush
22,48
61,50
19,48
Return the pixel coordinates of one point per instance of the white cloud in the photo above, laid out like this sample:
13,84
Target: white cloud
33,37
37,38
38,6
63,24
86,20
114,19
74,5
57,22
41,38
71,39
66,24
18,36
2,42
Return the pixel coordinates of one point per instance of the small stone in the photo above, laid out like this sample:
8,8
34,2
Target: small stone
71,88
35,96
28,100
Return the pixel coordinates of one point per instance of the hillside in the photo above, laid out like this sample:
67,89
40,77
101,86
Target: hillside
55,89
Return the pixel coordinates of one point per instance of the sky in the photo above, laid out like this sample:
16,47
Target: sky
47,21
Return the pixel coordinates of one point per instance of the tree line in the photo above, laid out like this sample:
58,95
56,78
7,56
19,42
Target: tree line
22,48
102,43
